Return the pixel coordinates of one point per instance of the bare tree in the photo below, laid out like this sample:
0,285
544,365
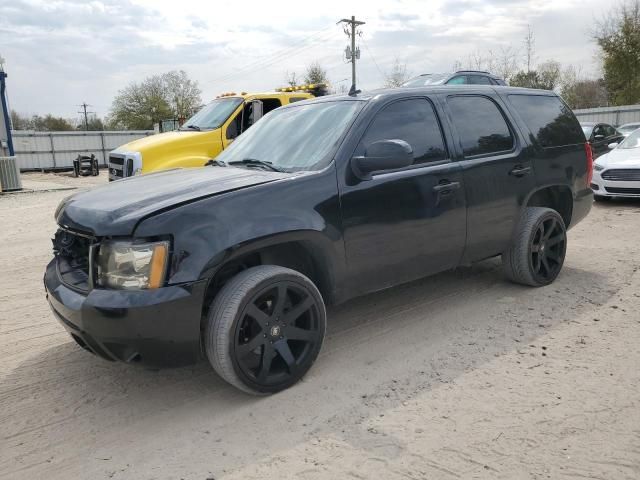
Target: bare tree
502,62
529,48
398,74
291,79
505,64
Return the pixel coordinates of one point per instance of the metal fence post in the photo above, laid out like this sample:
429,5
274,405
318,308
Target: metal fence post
53,149
104,152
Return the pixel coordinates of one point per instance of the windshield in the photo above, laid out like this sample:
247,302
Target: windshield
629,128
303,137
632,141
213,115
429,79
587,130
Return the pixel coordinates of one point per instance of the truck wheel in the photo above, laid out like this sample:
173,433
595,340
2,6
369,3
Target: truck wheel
264,329
537,250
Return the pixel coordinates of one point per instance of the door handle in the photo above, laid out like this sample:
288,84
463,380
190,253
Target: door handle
445,187
520,171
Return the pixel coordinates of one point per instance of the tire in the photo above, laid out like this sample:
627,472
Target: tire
265,329
538,247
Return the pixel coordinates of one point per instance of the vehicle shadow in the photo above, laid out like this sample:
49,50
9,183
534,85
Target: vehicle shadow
449,323
630,202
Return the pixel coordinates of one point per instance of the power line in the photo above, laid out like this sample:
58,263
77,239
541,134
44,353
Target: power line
373,58
300,46
84,111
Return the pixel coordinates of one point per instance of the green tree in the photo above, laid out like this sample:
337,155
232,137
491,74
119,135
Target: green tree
139,105
585,93
547,76
46,123
315,74
49,123
20,122
182,93
94,123
619,40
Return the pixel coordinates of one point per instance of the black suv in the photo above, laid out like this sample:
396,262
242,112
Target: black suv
321,201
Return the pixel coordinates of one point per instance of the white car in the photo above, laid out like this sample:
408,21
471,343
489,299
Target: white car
617,173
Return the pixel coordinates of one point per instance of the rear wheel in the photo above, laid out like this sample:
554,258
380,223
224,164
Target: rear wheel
536,254
265,329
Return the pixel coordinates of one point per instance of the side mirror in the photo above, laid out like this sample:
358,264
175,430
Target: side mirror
613,145
383,155
257,109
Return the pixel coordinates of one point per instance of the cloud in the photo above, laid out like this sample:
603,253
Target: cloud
62,52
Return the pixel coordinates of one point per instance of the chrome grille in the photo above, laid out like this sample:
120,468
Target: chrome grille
622,175
623,191
73,253
116,168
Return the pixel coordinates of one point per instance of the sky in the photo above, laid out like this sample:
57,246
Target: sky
61,53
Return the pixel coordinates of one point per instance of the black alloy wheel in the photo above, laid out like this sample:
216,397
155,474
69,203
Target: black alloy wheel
277,332
548,248
265,329
536,253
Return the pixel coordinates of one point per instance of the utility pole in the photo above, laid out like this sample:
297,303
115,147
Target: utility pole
350,29
86,118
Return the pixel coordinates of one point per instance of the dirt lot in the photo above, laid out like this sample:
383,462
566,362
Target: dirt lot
461,375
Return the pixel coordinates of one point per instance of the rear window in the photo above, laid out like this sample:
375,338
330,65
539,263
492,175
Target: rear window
549,119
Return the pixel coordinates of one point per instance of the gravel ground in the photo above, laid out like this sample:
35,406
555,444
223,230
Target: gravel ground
461,375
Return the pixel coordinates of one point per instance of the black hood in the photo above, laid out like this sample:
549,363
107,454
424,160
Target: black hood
116,208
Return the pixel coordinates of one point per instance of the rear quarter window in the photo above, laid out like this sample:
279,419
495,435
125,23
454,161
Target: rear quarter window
481,125
551,122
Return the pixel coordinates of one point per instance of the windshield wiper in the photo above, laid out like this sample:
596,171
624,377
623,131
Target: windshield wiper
257,163
214,162
192,127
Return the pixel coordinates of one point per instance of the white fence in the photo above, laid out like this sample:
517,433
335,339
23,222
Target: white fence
615,116
57,150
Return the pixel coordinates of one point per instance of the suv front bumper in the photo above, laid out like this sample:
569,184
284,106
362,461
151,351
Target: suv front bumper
158,328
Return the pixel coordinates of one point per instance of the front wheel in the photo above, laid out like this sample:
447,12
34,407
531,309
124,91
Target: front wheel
265,329
536,254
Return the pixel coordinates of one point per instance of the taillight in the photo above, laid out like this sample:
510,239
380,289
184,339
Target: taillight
589,152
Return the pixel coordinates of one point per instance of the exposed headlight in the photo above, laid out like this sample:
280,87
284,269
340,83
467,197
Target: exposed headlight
598,168
131,266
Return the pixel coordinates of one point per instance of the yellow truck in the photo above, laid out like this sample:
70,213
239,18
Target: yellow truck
203,136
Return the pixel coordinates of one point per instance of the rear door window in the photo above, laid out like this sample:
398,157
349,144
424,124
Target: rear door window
478,80
480,124
414,121
551,122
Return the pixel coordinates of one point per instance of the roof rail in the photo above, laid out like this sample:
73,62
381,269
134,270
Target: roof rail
474,71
